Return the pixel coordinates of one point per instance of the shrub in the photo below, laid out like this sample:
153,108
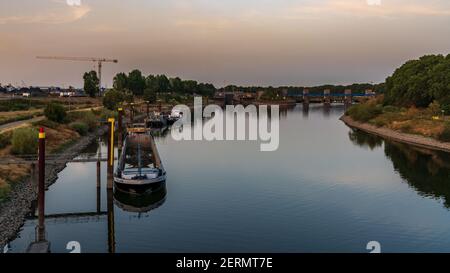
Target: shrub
364,112
445,134
80,127
105,114
112,99
86,117
379,122
390,109
434,108
55,112
47,123
5,140
149,95
24,141
4,190
406,128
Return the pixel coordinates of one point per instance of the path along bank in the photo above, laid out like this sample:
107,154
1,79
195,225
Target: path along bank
416,140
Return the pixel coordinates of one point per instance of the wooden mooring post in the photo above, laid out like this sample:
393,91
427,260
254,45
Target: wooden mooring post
41,186
40,245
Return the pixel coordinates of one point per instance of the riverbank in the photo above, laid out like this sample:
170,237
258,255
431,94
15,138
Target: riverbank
14,210
416,140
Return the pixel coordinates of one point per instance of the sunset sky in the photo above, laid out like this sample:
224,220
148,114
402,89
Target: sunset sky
245,42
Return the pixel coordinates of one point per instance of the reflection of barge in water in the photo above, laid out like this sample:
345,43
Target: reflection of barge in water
140,203
139,167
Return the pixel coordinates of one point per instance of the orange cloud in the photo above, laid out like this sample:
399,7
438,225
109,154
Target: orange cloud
54,16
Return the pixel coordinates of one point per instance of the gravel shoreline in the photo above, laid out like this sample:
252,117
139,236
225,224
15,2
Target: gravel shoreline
14,210
416,140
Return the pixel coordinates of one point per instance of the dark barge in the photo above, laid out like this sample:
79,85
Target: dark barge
139,168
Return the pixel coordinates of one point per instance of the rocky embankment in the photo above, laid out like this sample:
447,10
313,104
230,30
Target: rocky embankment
387,133
14,210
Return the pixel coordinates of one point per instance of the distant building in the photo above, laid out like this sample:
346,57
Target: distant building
369,92
32,92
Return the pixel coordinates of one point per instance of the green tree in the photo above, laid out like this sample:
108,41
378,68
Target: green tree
176,85
190,86
163,83
136,82
206,89
91,83
55,112
150,95
113,98
411,84
152,83
120,81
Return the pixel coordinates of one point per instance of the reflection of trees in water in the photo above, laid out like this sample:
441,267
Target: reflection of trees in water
428,172
363,139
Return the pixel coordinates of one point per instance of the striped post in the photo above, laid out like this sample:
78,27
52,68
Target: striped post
41,186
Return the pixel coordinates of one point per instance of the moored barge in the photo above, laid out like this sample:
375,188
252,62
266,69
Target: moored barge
139,168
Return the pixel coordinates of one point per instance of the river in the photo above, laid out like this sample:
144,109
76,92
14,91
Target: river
326,189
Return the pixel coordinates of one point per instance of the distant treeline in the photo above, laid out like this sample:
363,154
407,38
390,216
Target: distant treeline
138,84
295,90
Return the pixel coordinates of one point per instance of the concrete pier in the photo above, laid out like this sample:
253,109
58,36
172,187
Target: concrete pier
348,97
327,97
305,96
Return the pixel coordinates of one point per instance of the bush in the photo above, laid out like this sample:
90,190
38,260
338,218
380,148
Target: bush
390,109
105,114
112,99
55,112
24,141
364,112
5,140
445,135
434,108
4,190
150,95
47,123
86,117
80,127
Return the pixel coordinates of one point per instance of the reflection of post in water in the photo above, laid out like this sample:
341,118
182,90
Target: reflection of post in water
98,187
326,109
111,229
305,110
283,112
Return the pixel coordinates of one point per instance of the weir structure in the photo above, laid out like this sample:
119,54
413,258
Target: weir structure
327,98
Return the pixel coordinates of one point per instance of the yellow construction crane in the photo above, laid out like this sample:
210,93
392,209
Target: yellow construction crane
99,61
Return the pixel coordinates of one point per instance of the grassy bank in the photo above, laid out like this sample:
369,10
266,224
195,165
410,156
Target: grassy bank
59,136
427,122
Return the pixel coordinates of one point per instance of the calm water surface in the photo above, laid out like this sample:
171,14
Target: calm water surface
326,189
